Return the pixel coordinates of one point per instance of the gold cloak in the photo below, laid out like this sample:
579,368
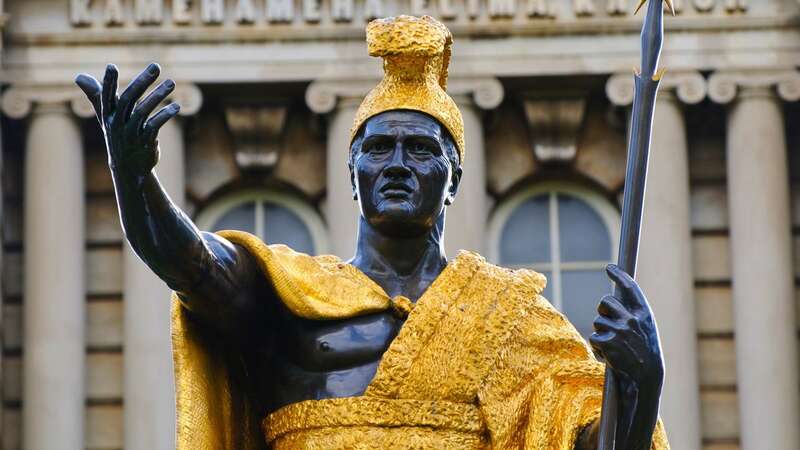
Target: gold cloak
483,361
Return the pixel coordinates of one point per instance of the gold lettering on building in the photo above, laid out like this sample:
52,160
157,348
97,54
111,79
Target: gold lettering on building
181,14
584,8
736,5
232,13
704,5
245,11
447,10
419,7
342,10
373,9
280,11
114,13
79,13
473,8
502,8
617,7
212,11
149,12
311,11
539,8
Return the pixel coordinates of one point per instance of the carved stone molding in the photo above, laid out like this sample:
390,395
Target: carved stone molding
257,133
689,86
18,101
554,123
323,96
723,87
189,96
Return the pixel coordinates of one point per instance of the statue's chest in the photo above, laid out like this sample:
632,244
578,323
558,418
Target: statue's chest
338,344
328,359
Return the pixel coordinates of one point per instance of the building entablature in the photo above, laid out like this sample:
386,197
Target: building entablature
245,41
316,19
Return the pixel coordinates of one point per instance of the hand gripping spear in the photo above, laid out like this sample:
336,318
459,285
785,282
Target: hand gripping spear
644,102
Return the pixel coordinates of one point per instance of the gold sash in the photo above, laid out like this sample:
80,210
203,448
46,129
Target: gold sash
482,361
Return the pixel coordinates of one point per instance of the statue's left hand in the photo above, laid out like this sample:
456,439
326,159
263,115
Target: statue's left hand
626,335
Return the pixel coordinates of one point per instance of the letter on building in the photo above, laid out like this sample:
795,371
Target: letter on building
149,12
280,10
79,13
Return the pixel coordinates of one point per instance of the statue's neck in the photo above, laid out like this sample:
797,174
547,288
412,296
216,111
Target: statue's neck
401,266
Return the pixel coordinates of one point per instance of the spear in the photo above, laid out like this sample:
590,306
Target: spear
646,82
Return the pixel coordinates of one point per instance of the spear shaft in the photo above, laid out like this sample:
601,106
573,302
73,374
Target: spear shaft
644,99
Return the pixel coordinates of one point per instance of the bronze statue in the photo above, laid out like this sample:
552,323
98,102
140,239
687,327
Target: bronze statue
397,347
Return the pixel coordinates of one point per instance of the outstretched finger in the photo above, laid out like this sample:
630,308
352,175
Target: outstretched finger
149,103
109,96
137,87
153,124
93,89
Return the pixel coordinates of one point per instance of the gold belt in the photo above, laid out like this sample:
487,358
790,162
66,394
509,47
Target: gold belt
368,422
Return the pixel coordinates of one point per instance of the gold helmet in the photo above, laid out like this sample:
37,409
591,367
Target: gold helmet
416,54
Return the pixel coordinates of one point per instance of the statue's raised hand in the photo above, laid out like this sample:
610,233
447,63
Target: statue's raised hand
130,131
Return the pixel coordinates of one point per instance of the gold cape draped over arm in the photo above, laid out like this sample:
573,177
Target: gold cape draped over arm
482,361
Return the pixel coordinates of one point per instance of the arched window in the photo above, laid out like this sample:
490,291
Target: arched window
275,217
568,234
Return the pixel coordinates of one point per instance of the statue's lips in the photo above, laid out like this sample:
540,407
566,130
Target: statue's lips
396,190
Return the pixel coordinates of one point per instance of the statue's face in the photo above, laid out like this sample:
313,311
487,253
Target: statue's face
401,174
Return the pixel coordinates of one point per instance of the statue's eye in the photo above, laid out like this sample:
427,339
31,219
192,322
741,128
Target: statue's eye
379,148
420,148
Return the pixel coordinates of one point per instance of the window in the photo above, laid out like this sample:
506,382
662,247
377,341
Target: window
569,235
274,217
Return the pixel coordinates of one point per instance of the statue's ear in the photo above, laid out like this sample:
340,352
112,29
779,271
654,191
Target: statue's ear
455,181
352,180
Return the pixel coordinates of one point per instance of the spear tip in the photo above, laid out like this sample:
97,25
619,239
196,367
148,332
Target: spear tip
669,3
671,6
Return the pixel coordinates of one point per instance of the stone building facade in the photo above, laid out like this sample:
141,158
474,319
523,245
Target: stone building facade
268,90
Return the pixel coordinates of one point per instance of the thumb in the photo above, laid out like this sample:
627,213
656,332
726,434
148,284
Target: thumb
92,89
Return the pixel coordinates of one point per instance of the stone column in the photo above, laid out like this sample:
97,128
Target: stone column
665,253
341,99
54,355
149,390
465,226
761,252
341,210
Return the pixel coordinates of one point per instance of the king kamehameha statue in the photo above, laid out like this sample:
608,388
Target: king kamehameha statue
397,348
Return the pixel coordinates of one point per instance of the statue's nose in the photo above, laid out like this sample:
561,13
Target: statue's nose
396,166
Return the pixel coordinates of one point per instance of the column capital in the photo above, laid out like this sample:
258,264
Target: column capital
189,96
689,86
18,101
323,96
723,86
